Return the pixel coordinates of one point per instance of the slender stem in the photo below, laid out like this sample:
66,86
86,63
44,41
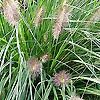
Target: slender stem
18,45
30,87
41,79
63,92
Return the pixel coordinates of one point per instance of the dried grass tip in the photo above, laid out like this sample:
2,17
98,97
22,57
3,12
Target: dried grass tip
11,11
61,21
61,78
39,15
75,98
34,66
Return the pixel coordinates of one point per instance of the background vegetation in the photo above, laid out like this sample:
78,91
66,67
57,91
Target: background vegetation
76,51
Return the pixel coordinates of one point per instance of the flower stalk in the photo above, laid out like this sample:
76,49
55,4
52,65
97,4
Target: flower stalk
63,92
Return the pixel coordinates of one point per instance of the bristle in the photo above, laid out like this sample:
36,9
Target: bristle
11,11
61,19
38,16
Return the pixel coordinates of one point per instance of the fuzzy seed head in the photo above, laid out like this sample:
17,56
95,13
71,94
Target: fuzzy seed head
61,78
45,58
11,11
75,98
38,16
34,66
61,19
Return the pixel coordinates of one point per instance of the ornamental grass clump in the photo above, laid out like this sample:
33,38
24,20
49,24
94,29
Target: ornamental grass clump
44,76
11,11
60,21
61,78
39,15
34,66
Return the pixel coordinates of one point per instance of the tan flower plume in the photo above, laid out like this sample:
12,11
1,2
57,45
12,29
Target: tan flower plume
38,16
61,78
61,19
11,11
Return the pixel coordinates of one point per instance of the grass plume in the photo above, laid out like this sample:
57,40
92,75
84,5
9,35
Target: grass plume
61,19
34,66
11,11
38,17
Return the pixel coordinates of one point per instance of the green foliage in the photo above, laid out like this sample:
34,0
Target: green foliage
77,51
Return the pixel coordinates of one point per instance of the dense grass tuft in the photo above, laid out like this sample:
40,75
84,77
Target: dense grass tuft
31,54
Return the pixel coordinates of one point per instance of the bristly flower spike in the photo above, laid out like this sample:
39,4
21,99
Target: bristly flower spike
61,78
38,16
34,66
11,11
61,19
